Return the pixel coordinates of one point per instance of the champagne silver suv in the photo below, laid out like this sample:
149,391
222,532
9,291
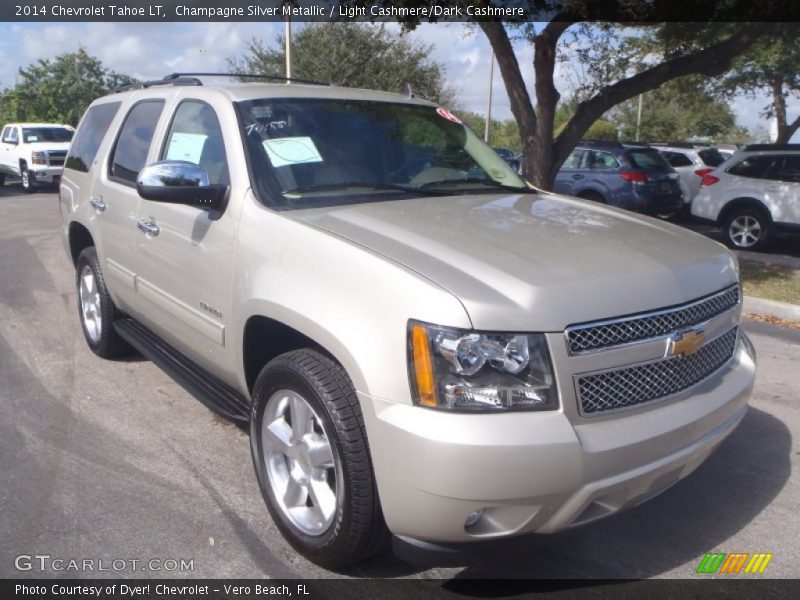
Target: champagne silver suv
422,344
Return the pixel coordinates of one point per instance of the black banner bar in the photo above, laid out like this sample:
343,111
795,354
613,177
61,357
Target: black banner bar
734,588
397,10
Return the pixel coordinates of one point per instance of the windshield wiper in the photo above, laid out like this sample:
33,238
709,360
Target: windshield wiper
484,182
325,187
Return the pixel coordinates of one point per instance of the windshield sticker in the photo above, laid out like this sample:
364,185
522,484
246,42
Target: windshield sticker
186,146
443,112
33,138
292,151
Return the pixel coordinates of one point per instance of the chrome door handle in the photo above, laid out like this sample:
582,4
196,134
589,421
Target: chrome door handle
97,204
773,188
577,176
148,226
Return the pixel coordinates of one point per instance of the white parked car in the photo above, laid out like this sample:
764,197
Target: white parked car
692,162
34,152
753,195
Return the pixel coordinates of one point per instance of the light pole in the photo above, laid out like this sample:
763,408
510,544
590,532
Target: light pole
489,103
287,35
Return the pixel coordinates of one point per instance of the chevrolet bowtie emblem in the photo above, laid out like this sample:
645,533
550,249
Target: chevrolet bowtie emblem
686,343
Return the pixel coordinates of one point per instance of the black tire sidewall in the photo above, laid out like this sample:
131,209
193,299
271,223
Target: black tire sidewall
110,344
756,214
324,549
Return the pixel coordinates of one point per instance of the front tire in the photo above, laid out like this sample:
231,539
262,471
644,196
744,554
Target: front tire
312,459
747,229
96,308
28,183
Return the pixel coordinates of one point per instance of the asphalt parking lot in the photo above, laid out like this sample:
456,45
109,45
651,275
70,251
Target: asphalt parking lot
113,460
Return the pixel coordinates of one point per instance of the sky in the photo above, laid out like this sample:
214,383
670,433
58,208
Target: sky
151,50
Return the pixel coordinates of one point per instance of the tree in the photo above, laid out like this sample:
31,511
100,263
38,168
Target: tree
772,66
710,55
678,110
502,134
352,55
58,90
602,129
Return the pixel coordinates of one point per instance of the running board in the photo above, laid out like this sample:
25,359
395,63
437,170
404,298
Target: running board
216,395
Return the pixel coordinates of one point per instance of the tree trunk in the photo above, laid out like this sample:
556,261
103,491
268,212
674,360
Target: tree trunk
543,155
785,129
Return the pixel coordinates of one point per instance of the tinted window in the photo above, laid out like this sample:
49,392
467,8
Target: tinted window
790,170
32,135
90,134
130,153
650,160
195,136
573,160
601,160
711,157
677,159
755,167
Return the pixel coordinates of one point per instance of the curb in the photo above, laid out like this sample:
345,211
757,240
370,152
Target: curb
771,308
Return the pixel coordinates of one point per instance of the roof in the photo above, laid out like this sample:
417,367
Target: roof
38,125
239,91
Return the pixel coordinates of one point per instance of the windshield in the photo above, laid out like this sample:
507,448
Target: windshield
322,152
31,135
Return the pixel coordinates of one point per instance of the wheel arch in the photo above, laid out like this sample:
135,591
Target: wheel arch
264,338
80,238
743,202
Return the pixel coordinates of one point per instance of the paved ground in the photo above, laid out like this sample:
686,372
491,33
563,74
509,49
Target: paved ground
112,460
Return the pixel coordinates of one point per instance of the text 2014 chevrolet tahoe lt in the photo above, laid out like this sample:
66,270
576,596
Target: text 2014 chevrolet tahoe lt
423,344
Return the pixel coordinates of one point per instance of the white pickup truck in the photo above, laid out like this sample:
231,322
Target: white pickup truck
34,152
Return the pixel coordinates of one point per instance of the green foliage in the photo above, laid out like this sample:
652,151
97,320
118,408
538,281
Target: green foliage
502,134
678,110
58,90
602,129
352,55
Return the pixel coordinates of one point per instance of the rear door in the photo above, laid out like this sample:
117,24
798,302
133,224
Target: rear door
8,152
185,263
115,200
569,174
785,192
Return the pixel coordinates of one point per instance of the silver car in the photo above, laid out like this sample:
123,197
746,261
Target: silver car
423,344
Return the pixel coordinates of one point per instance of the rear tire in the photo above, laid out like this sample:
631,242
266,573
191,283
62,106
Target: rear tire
2,180
312,461
96,308
746,229
592,196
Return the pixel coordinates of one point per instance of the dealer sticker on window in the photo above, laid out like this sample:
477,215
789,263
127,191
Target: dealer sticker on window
292,151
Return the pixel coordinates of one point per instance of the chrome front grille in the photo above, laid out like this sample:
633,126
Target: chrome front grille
630,386
55,158
606,334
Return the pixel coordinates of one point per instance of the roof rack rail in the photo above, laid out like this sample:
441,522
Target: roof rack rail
604,143
267,76
192,79
751,147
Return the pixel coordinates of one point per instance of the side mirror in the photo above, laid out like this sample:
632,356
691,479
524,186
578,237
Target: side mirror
180,182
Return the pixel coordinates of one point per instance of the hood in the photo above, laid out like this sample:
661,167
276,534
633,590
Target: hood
42,146
536,262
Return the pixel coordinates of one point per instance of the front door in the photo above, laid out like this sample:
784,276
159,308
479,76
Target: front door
185,260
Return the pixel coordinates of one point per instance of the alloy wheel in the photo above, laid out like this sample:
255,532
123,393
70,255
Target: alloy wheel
303,470
745,231
91,309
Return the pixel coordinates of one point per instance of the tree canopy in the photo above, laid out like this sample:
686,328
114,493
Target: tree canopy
58,90
352,55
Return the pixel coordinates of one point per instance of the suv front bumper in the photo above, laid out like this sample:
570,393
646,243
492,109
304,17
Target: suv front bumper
527,472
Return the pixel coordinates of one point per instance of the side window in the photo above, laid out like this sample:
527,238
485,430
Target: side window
790,169
677,159
573,160
754,167
10,135
133,143
195,136
4,138
604,160
90,135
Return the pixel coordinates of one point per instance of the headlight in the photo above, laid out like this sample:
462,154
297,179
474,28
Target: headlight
479,371
39,158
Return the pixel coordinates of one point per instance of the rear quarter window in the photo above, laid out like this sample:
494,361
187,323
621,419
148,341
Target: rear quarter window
89,136
754,167
650,160
711,157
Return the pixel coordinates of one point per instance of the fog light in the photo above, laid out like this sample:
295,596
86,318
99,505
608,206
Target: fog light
473,518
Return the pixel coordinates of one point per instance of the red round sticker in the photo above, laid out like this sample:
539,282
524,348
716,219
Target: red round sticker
443,112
